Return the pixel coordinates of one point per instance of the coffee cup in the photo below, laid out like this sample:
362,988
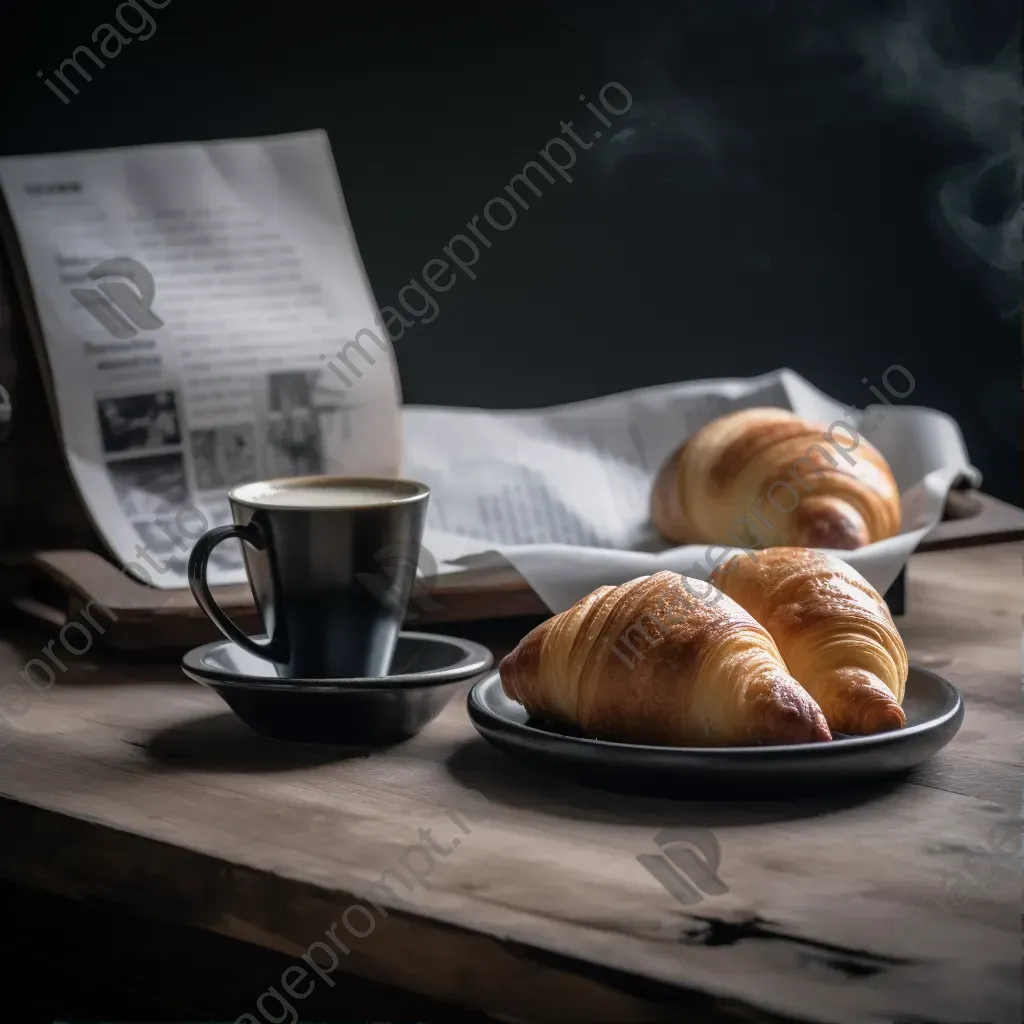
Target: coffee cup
313,548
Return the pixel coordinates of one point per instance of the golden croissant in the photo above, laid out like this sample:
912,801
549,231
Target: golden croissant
650,662
766,477
831,627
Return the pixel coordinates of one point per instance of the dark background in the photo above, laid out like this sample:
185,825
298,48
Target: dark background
821,185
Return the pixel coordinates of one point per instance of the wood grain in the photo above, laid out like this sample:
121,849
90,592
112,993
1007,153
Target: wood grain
128,784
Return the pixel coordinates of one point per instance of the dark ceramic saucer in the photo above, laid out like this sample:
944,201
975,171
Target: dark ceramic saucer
425,671
933,707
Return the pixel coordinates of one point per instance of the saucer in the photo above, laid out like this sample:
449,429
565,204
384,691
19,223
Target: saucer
426,670
933,707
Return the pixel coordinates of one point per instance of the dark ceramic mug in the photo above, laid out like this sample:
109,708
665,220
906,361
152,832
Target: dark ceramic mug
313,548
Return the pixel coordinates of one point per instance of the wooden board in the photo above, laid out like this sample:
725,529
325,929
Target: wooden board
55,586
129,785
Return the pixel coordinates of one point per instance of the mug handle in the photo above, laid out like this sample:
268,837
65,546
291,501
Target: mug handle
197,566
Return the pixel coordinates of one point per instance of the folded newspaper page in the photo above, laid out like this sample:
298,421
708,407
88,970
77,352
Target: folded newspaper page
207,321
563,493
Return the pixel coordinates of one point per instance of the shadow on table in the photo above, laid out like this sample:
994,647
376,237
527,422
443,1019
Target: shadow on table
514,783
221,742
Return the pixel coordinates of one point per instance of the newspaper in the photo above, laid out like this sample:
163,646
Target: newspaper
562,494
194,300
207,321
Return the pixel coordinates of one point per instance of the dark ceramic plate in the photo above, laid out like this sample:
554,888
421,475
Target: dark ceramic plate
426,670
933,707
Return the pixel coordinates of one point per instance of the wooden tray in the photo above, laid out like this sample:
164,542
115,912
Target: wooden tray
59,586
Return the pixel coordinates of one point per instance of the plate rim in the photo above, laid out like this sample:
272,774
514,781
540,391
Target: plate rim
835,747
476,659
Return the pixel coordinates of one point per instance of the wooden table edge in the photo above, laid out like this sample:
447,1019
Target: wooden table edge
539,983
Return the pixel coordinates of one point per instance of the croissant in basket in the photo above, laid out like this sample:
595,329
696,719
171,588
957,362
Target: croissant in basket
765,477
831,627
648,662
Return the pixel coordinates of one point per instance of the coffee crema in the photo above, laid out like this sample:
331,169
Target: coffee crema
357,494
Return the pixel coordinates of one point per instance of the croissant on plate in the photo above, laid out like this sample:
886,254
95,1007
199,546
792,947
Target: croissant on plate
650,662
831,627
766,477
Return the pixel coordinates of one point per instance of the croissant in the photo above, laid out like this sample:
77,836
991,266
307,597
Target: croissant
832,628
766,477
648,662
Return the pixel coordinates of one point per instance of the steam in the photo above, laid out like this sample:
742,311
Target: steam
979,102
692,129
914,57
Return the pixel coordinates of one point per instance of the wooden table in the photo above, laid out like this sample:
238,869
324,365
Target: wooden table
129,785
